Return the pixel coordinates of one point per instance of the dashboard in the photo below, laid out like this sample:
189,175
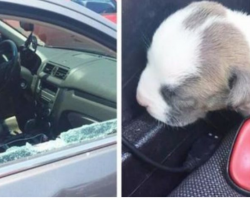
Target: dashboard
71,88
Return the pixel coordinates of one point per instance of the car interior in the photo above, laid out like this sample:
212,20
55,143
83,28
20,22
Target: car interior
212,137
50,86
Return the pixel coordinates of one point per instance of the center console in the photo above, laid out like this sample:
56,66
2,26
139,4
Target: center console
46,97
46,94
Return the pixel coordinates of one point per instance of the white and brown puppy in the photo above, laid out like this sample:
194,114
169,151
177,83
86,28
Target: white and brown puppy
199,61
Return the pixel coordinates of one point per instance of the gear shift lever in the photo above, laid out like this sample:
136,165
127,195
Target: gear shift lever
29,126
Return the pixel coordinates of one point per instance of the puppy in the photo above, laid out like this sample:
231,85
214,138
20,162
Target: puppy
198,61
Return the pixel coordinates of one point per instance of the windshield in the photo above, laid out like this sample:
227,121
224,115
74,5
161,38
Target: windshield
53,37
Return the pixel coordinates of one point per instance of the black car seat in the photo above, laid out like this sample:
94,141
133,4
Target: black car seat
210,179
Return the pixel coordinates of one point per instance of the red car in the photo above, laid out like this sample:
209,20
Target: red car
112,17
107,8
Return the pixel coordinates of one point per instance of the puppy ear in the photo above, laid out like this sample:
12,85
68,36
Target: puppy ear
239,96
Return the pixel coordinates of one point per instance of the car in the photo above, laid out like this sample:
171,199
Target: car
57,100
156,157
107,8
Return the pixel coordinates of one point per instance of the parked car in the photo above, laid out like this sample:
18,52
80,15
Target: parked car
107,8
57,100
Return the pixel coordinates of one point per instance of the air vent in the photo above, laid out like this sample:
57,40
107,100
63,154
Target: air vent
48,68
61,73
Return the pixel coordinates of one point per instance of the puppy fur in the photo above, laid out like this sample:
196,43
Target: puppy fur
198,61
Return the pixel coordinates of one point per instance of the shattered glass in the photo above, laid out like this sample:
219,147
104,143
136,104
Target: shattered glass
78,135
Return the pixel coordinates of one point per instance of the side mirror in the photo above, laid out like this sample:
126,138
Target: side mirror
27,26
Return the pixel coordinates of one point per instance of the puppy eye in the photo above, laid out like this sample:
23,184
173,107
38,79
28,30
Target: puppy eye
167,93
232,81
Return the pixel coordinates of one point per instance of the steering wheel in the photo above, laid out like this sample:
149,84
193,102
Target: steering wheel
9,68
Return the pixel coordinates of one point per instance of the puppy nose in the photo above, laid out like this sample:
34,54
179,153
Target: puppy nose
141,100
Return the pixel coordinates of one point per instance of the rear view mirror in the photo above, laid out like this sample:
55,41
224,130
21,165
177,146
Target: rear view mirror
27,26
